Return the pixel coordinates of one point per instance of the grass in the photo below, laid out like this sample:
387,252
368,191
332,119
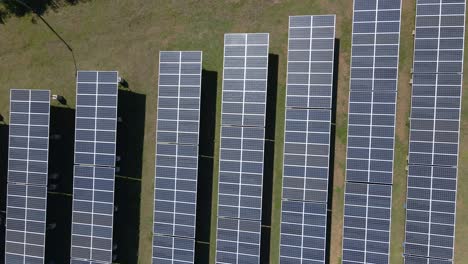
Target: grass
127,36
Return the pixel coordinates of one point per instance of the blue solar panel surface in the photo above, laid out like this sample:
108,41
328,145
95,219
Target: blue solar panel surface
371,131
96,118
366,226
94,170
27,176
307,138
303,232
242,146
175,196
434,131
93,213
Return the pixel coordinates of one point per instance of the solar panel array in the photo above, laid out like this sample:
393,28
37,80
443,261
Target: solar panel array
371,130
242,146
307,138
94,170
27,176
434,131
177,156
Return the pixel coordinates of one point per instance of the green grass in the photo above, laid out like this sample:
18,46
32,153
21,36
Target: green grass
127,36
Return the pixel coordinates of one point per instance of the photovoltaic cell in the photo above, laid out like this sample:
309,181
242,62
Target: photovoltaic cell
94,170
27,176
434,131
175,196
242,147
96,118
366,227
371,130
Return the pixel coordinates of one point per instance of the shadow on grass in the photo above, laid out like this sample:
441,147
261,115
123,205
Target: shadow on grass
3,184
336,64
130,141
21,8
60,185
205,165
269,156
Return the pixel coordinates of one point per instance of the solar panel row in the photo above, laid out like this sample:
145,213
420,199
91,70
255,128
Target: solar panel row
175,194
27,176
307,139
371,131
434,131
242,146
94,170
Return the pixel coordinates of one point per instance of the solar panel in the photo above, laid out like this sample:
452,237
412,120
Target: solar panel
27,176
241,172
96,118
371,136
238,241
170,249
419,260
94,170
307,138
439,36
93,210
245,79
310,61
177,156
434,131
366,227
435,119
371,130
179,97
241,148
306,154
430,211
303,232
